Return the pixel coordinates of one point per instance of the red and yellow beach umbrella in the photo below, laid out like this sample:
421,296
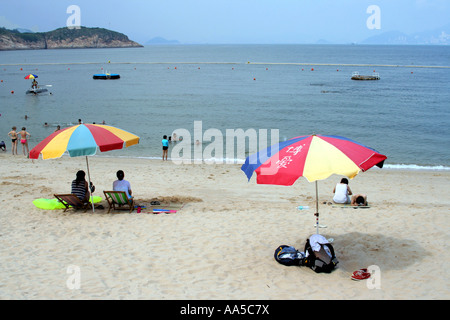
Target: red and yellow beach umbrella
315,157
83,140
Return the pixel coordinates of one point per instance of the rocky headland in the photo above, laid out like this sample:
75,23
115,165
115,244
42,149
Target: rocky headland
64,38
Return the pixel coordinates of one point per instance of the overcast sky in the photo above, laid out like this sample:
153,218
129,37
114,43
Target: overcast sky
233,21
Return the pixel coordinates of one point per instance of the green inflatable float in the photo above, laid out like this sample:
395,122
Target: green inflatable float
54,204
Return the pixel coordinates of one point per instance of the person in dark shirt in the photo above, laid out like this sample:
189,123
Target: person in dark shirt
80,187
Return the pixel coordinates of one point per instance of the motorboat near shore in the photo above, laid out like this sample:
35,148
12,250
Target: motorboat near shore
106,76
36,91
357,76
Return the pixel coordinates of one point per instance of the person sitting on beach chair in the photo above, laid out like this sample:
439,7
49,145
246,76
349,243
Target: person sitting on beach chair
80,187
122,185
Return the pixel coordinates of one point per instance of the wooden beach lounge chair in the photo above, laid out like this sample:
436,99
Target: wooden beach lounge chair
71,201
118,200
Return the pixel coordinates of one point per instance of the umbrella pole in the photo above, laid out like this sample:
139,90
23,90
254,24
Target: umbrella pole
317,209
89,186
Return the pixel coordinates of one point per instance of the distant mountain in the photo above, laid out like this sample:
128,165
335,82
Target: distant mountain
159,40
21,30
64,38
390,37
323,41
440,36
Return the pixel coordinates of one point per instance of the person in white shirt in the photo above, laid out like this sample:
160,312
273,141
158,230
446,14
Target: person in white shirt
122,185
342,192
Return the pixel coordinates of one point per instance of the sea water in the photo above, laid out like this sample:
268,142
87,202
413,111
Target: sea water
294,89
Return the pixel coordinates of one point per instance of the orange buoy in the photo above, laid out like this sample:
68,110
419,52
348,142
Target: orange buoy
312,69
21,69
12,91
254,78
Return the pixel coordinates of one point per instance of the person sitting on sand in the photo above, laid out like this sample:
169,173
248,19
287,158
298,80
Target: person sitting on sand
122,185
3,146
359,200
80,187
342,192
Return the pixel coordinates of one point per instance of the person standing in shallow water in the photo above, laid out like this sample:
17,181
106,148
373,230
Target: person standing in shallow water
14,136
165,147
24,140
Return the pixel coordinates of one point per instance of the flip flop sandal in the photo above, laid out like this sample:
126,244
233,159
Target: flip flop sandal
360,274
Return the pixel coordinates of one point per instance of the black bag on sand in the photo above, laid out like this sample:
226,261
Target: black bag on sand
323,260
288,256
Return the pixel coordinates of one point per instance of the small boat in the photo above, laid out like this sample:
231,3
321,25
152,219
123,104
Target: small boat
106,76
36,91
357,76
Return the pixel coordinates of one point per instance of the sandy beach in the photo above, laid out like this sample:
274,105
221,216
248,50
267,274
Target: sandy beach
220,242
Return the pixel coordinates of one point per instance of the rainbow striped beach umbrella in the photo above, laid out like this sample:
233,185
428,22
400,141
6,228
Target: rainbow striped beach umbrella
83,140
315,157
31,76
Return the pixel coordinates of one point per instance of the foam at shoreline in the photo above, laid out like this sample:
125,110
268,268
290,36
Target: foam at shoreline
242,161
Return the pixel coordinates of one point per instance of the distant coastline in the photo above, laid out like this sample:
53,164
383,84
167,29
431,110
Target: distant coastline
160,40
64,38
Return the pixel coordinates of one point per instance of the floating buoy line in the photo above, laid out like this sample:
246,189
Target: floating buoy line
234,63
